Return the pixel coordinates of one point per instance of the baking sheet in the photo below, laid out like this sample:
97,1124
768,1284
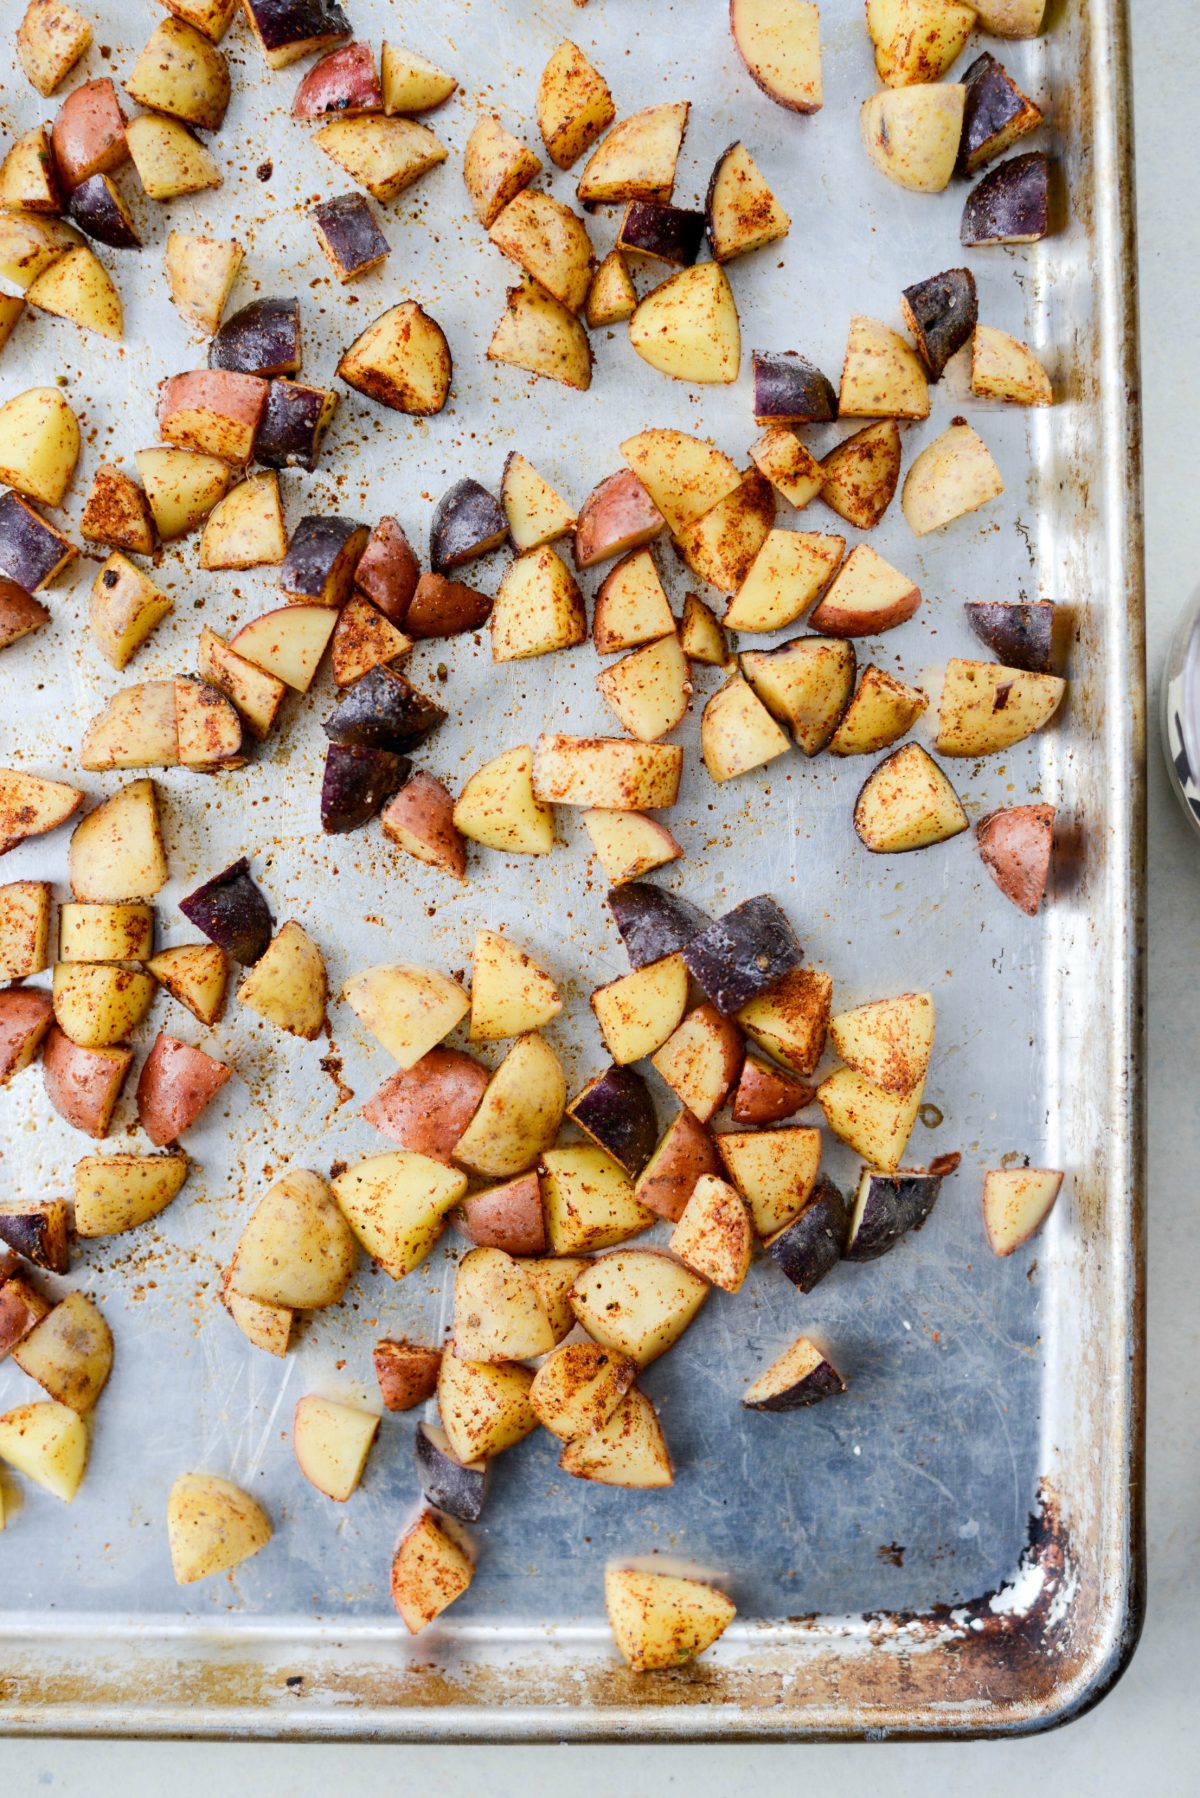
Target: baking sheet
861,1541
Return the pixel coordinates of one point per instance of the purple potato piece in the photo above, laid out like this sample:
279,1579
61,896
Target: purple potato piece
321,559
98,208
1020,634
262,338
468,522
357,782
388,571
743,954
887,1206
231,911
1011,204
812,1244
812,1379
457,1487
616,1111
382,710
653,922
292,425
348,234
668,233
941,313
996,114
289,29
32,552
40,1234
790,390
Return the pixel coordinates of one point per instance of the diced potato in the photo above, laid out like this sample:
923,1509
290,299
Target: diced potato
865,597
201,272
788,573
430,1569
649,690
549,242
538,608
554,1276
288,643
639,1011
720,546
612,297
39,444
99,1004
539,334
1016,1203
169,161
631,605
196,974
574,105
860,475
69,1353
684,476
497,807
30,244
917,40
791,469
296,1250
953,475
246,529
607,772
636,161
256,694
713,1236
1003,368
912,134
48,1443
536,513
881,711
114,1193
888,1041
30,806
408,1009
117,513
50,40
701,1060
212,17
396,1205
24,928
703,639
742,214
117,851
510,993
138,728
123,609
875,1124
496,166
907,803
179,72
986,707
576,1389
384,155
28,177
737,733
637,1302
77,286
780,43
520,1112
287,984
212,1525
589,1201
401,361
687,327
331,1442
628,1449
774,1170
498,1314
804,684
412,83
182,487
882,376
484,1406
790,1021
628,844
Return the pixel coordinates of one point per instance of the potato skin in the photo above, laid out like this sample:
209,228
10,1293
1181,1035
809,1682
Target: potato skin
89,133
388,571
232,912
26,1014
174,1086
508,1217
427,1107
1011,204
407,1373
443,608
941,312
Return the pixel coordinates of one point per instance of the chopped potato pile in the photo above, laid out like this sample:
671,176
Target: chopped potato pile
562,1299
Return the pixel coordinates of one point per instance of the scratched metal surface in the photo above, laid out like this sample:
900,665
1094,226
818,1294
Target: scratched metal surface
966,1374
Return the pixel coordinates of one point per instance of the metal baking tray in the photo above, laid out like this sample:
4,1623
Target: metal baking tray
954,1548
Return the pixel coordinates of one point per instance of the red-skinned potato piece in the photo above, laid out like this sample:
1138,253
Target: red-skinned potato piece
89,133
420,818
20,613
25,1017
388,571
407,1373
426,1108
767,1095
1015,845
445,608
617,516
214,410
83,1085
175,1084
685,1152
343,83
508,1217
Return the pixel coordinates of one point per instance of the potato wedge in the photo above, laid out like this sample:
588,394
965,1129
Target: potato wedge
540,335
780,43
118,513
182,487
114,1193
787,574
986,707
612,297
649,689
181,73
519,1115
713,1235
684,476
882,376
498,808
607,772
636,161
331,1442
77,286
860,476
881,712
83,1085
660,1620
97,1004
196,974
537,514
401,361
720,546
296,1249
912,134
24,928
510,993
48,1443
866,597
39,444
737,732
628,1449
574,105
805,684
639,1011
549,242
51,38
791,469
1003,368
212,1525
169,161
790,1022
907,803
917,40
498,1315
953,475
484,1406
31,806
432,1567
538,608
589,1201
408,1009
887,1041
577,1388
384,155
123,609
631,605
687,327
496,166
1016,1203
875,1124
637,1302
201,272
774,1170
412,83
628,844
741,212
701,1060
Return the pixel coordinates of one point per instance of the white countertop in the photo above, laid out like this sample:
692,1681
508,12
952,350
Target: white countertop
1147,1732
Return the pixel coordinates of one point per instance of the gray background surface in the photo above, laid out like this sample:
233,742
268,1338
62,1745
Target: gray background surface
1147,1729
